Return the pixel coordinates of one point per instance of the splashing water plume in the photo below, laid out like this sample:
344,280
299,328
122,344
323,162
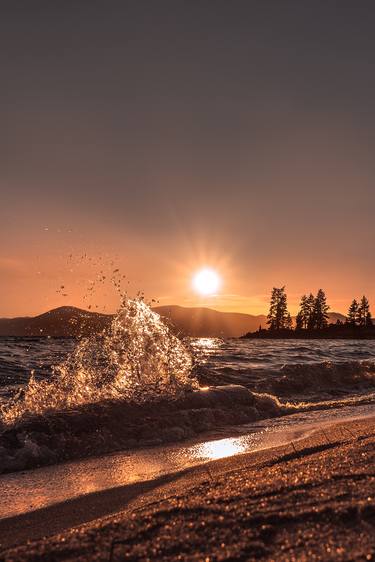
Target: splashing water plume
137,359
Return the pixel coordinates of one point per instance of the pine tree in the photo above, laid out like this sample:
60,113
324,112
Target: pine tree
321,309
300,322
303,315
288,322
363,312
271,318
278,315
310,316
369,323
352,317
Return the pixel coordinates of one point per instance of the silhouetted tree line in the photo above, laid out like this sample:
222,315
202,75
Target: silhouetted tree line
313,312
359,313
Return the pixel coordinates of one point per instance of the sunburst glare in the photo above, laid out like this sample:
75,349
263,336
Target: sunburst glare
206,281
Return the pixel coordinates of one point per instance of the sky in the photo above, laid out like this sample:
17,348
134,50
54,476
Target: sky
159,137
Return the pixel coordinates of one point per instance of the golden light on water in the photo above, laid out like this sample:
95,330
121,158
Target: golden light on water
206,281
221,448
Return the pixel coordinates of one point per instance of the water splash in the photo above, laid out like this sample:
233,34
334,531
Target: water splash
137,359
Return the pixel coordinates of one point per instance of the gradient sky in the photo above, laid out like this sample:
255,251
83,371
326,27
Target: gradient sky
159,136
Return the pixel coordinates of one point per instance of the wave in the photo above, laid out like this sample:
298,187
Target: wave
137,359
89,403
324,376
297,379
111,425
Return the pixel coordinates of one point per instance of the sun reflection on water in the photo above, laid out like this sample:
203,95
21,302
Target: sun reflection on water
220,449
205,348
207,343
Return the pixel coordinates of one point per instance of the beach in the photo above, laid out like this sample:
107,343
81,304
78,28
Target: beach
312,499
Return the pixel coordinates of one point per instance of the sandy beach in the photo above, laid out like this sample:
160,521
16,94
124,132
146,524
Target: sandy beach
311,500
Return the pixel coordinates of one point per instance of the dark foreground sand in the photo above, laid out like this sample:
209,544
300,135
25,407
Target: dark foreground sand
312,500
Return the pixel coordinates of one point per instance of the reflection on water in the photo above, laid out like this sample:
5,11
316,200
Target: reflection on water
205,348
34,489
220,449
207,343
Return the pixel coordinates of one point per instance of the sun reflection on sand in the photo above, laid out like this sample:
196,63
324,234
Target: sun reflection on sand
221,448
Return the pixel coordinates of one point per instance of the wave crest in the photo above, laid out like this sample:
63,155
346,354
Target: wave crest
137,359
337,376
296,379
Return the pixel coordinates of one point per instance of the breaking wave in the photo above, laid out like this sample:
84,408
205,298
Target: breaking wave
137,359
111,425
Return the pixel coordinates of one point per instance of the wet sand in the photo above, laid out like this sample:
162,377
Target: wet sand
311,500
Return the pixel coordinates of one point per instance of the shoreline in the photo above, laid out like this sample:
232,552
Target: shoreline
293,335
227,481
117,425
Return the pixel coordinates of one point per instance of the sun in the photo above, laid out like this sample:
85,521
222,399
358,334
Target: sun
206,281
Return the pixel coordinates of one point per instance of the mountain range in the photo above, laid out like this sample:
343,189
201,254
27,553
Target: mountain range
69,321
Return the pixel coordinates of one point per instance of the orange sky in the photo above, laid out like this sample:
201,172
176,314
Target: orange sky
157,140
42,257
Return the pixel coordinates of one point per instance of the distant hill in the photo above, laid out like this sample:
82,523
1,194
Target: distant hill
206,322
62,322
199,322
334,316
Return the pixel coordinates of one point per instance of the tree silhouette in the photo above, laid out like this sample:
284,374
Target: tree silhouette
304,315
352,317
320,311
288,322
310,315
363,314
278,316
300,323
369,323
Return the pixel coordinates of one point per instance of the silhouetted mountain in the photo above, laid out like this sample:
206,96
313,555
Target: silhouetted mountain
70,321
200,322
206,322
63,322
334,316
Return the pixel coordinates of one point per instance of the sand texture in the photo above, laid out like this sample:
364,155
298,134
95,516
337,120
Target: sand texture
312,500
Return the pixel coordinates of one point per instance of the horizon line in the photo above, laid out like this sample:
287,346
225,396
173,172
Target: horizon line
152,307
